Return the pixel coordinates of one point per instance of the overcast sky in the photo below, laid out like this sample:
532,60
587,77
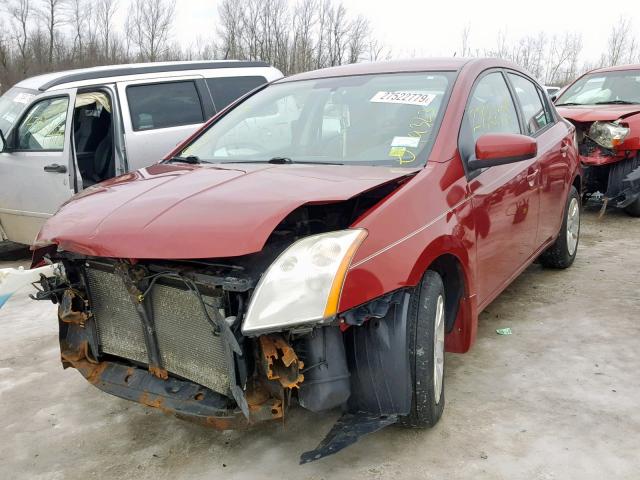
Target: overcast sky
434,27
426,27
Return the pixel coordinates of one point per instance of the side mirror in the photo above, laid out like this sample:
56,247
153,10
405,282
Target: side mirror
494,149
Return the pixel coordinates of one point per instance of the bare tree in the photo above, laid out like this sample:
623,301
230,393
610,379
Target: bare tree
562,59
50,12
79,17
153,20
20,11
230,28
465,50
105,10
304,20
359,32
620,39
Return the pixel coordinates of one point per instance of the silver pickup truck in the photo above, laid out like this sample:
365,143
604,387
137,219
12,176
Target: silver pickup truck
62,132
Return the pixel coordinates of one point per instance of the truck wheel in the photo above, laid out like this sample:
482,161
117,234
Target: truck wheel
563,252
426,331
633,209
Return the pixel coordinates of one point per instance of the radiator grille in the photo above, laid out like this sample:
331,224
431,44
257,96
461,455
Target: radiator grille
187,345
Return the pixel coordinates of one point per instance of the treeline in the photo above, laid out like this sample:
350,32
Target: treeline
38,36
558,59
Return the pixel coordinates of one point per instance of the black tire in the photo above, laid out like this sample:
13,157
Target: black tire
426,410
633,209
559,255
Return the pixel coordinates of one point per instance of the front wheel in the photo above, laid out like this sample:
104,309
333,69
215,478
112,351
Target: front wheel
425,332
563,252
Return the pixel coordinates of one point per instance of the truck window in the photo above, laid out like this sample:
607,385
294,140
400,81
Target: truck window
44,125
163,105
225,90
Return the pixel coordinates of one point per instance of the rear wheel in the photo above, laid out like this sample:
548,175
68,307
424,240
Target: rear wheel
426,331
633,209
563,252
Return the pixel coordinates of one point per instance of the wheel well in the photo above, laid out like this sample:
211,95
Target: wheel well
450,270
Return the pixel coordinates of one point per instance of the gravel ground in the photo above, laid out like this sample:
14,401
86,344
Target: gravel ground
557,399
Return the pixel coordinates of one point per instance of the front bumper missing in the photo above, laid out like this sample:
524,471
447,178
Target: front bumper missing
182,398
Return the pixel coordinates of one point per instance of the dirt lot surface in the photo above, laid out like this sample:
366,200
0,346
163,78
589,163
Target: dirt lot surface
557,399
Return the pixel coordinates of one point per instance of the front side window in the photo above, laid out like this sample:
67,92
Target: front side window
385,119
44,126
164,105
225,90
490,108
535,115
603,88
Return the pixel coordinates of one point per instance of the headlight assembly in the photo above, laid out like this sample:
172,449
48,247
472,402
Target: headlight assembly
608,135
304,283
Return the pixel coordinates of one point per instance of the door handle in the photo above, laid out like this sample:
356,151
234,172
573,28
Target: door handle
55,168
531,178
564,148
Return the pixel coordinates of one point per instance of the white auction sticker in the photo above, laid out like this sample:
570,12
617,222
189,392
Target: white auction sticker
23,97
411,142
407,98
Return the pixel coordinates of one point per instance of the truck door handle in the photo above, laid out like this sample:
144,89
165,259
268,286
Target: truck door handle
564,148
55,168
531,178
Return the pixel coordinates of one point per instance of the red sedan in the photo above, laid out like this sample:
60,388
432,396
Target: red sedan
322,241
604,106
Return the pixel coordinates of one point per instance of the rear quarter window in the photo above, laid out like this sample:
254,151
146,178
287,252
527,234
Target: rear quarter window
536,116
225,90
163,105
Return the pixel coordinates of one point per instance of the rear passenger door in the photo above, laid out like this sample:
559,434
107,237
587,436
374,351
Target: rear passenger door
159,114
554,140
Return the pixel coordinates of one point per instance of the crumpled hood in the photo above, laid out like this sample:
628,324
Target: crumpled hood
185,211
592,113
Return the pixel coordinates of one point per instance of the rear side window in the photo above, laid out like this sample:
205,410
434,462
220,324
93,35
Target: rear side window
536,117
225,90
163,105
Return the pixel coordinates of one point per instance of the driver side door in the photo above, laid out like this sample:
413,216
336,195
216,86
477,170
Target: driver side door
36,170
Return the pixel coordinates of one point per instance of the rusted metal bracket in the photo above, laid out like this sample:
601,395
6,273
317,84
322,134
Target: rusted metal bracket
281,362
182,398
66,310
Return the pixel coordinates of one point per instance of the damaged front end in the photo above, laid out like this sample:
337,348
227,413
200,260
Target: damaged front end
229,342
610,157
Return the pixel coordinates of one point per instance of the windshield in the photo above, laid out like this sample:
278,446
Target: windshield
12,104
388,119
601,88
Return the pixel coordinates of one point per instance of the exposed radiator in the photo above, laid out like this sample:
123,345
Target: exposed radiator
187,345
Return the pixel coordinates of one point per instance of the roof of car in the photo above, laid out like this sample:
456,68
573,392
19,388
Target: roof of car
631,66
49,80
397,66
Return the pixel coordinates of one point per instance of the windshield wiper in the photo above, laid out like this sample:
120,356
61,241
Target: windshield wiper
616,102
568,104
191,159
280,160
283,160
